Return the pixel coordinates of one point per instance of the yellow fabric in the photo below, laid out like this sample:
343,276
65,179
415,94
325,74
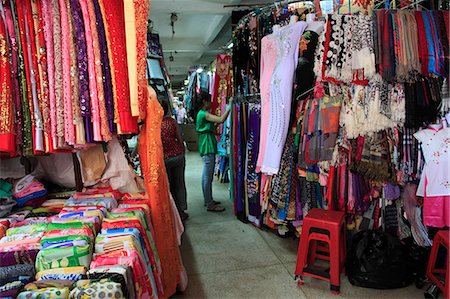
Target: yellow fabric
130,30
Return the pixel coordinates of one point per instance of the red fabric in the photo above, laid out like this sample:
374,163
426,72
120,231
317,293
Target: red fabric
423,46
21,20
7,139
222,84
171,145
115,17
131,258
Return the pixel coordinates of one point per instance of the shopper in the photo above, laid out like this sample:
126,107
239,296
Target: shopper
174,160
181,113
206,123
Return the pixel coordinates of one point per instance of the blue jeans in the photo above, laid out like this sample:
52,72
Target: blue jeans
207,178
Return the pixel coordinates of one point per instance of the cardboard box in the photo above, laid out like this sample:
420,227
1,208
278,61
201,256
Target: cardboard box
190,136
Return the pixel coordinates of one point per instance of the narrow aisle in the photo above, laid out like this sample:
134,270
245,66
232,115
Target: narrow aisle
225,258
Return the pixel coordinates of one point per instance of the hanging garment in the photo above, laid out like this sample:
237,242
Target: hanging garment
268,63
287,40
222,85
434,183
7,130
150,148
252,177
114,15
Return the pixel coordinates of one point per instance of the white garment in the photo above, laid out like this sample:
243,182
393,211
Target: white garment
287,40
181,115
435,144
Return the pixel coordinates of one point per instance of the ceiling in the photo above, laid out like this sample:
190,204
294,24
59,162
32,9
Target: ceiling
203,30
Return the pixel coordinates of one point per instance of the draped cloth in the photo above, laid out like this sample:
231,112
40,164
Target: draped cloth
152,165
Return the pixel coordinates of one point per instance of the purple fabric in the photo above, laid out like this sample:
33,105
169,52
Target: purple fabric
253,178
391,191
83,76
12,258
107,80
298,207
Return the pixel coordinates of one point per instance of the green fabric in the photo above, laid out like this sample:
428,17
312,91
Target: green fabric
207,143
5,189
74,256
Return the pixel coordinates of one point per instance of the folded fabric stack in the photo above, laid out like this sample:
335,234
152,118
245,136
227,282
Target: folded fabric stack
29,192
126,240
95,244
6,200
18,250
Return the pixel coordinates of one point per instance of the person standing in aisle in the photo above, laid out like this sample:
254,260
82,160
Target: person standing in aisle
181,113
174,160
206,126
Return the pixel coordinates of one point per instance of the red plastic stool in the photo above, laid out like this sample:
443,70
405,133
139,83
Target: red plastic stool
441,239
323,238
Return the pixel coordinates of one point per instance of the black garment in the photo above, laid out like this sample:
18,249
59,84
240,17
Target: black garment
175,168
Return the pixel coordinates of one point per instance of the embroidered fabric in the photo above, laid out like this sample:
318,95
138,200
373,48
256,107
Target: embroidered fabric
287,40
58,72
105,64
114,15
95,113
69,133
104,126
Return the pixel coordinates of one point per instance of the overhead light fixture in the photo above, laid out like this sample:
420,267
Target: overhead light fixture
200,69
171,58
173,19
230,46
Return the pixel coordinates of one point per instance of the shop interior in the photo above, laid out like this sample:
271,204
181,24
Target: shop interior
224,149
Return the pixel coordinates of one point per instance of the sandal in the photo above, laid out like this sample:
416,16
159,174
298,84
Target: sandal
216,208
215,203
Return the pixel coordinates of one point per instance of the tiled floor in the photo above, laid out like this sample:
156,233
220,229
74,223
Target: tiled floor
225,258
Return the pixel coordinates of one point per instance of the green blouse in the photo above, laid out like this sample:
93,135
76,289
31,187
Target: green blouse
206,138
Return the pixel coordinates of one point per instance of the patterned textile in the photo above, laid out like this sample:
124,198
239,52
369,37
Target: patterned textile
97,290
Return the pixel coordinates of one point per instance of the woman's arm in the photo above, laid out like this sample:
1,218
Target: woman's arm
219,119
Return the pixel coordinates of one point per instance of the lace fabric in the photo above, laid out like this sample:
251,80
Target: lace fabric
95,113
114,15
152,165
69,133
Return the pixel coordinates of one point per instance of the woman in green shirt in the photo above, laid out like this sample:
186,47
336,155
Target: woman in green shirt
206,127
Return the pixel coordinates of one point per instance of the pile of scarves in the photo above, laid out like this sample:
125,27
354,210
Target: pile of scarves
29,191
71,72
367,83
97,243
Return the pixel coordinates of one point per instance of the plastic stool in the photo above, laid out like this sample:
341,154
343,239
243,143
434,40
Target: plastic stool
441,239
323,238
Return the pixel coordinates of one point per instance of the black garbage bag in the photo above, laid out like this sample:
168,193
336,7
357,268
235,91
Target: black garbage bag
380,261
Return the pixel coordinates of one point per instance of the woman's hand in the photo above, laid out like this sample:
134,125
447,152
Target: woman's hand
230,100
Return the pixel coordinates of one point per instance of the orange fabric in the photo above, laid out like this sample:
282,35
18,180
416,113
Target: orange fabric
156,183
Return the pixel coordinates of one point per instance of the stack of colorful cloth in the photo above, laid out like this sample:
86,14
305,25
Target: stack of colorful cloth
29,192
96,244
18,250
6,200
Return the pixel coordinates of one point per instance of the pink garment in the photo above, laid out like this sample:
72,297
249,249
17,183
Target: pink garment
48,33
287,41
95,113
436,210
69,132
104,122
435,180
268,63
32,188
